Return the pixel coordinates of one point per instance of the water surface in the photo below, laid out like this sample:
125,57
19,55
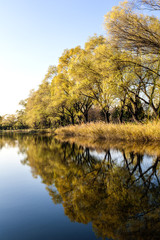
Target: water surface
60,190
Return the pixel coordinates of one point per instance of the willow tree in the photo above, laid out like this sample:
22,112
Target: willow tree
37,112
140,36
63,95
133,31
91,76
38,109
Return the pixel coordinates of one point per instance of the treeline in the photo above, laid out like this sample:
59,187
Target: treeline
111,79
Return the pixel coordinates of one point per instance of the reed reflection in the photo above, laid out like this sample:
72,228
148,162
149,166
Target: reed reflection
118,192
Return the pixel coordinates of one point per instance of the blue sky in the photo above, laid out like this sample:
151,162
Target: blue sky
34,33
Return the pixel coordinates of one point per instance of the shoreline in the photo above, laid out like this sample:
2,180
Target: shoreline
100,131
29,131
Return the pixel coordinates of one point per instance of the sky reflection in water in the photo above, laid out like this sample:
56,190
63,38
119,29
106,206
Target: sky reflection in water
48,189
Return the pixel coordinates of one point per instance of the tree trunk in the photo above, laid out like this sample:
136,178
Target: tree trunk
106,116
121,114
86,116
72,119
122,110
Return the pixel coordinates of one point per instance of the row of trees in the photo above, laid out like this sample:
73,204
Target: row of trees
13,121
112,79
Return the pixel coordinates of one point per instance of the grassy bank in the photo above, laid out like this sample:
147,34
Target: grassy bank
147,132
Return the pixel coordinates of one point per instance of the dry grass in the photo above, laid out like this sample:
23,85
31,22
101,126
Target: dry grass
149,132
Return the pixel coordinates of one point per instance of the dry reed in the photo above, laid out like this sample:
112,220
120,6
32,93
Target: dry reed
148,132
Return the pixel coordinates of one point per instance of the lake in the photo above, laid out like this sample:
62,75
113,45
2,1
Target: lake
54,189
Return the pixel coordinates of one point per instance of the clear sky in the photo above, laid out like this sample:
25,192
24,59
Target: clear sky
34,33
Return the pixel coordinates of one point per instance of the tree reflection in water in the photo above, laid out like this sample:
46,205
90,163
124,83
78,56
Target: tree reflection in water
120,197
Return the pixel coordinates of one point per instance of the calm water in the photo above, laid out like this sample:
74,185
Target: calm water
52,190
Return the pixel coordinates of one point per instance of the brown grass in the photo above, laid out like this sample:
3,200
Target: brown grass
148,132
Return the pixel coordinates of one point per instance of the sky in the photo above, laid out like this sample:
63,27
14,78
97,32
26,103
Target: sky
34,34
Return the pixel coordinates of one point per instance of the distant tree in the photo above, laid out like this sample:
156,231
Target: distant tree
9,121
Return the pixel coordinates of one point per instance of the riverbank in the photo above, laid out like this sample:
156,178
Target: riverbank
29,131
147,132
127,132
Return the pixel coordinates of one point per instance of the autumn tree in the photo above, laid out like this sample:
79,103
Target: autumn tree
138,35
38,109
91,76
64,96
